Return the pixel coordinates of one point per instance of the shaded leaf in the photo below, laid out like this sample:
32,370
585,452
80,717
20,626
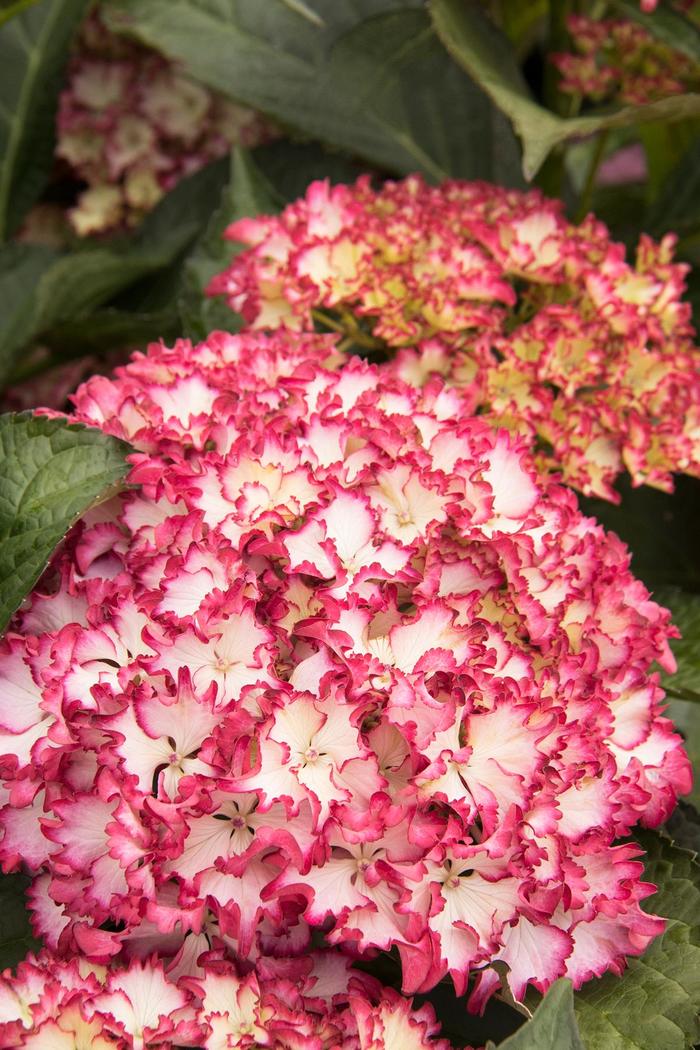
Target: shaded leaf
43,289
683,827
367,75
110,329
289,167
247,194
21,268
686,649
677,205
16,937
10,8
33,52
50,473
660,529
487,56
655,1003
686,718
553,1024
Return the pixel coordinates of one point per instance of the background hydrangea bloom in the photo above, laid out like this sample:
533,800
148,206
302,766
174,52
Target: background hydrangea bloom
131,126
618,59
541,323
343,660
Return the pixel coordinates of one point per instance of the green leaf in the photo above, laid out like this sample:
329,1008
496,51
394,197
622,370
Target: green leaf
486,55
50,473
16,937
683,827
686,717
42,290
686,649
667,24
22,266
289,167
33,52
367,75
553,1024
655,1003
247,194
109,329
660,529
677,205
10,8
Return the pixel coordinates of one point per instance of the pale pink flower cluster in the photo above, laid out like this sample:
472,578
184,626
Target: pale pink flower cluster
542,324
314,1002
131,125
340,661
616,59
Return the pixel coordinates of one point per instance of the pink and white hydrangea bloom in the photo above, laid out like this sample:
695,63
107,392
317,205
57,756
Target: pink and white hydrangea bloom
542,324
311,1002
339,657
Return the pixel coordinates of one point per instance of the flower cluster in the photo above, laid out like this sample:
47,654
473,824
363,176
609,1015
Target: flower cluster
340,661
312,1003
130,125
616,59
542,323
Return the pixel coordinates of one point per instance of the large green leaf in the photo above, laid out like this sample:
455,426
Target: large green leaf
42,290
487,56
660,529
10,8
367,75
553,1024
50,473
683,827
247,194
677,205
686,649
16,937
655,1004
109,329
686,717
33,52
22,266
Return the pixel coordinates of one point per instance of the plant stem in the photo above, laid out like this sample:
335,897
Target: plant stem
584,204
679,692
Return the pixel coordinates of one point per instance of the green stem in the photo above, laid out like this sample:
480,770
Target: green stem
557,40
679,692
584,204
348,327
328,321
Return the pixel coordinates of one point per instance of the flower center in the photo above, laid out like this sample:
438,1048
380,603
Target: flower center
311,754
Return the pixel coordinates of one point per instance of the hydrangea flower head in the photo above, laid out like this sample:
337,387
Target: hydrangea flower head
618,60
339,659
541,324
315,1002
131,125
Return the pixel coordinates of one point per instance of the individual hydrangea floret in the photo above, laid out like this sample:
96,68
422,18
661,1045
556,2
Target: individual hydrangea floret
541,323
131,125
311,1002
340,660
618,60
